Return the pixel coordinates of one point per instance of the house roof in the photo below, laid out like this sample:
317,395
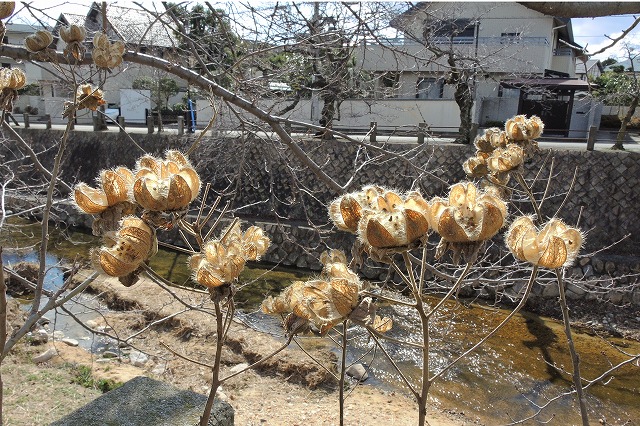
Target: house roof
131,25
551,83
565,30
583,68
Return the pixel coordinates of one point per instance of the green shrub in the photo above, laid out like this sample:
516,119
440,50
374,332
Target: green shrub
83,376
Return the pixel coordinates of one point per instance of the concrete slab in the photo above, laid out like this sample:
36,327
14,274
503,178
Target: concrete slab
147,402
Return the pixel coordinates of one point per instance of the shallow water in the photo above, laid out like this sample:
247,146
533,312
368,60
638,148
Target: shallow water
499,382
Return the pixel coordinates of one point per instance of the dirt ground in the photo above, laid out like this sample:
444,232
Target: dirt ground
288,389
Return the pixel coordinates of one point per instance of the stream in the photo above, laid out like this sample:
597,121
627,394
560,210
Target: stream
502,380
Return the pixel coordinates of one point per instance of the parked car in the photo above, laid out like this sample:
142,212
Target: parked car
112,112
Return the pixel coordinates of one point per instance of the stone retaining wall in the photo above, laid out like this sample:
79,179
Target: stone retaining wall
265,183
263,180
596,278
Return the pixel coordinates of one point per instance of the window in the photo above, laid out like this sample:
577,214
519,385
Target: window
388,84
460,31
510,38
429,88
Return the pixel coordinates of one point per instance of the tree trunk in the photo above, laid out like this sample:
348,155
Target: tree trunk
328,114
625,121
464,100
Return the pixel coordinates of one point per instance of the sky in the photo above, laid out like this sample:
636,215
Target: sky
588,32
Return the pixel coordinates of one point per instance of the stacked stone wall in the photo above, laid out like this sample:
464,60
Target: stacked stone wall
265,183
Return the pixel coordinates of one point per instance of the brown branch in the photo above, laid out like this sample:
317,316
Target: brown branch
202,82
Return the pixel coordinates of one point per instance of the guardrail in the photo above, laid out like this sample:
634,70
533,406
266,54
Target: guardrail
423,130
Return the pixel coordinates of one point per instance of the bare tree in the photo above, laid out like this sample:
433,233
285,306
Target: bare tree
393,226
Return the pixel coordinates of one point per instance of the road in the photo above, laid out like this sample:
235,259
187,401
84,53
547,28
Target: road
604,140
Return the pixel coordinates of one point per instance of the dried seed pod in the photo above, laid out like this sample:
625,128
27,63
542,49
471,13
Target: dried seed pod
221,261
217,265
520,128
505,159
165,185
468,215
396,221
12,78
554,246
476,166
323,302
335,265
38,41
133,243
7,8
113,188
106,54
73,33
254,243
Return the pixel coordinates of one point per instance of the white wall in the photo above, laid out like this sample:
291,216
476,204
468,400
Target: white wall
134,104
620,111
439,114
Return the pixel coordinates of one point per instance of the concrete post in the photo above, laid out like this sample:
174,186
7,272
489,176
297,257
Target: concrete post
591,138
150,124
47,118
373,130
121,123
422,131
26,120
180,126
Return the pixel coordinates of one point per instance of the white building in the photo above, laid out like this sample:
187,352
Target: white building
506,49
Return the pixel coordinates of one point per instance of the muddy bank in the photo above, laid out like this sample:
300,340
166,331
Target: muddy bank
289,388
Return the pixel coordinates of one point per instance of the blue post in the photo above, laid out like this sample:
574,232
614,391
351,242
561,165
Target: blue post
192,122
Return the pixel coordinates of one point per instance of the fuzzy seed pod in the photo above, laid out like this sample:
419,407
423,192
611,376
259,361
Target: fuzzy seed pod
468,215
113,188
106,54
7,8
12,78
73,33
323,302
505,159
521,128
133,243
554,246
165,185
38,41
396,221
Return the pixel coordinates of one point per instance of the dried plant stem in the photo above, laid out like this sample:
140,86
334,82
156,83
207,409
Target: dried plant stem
261,360
343,370
3,329
215,370
526,188
314,359
57,164
575,358
424,322
453,289
393,364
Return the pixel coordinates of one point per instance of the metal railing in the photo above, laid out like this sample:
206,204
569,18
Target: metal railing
399,41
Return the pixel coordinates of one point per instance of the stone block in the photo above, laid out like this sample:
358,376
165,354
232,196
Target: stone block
550,291
146,402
